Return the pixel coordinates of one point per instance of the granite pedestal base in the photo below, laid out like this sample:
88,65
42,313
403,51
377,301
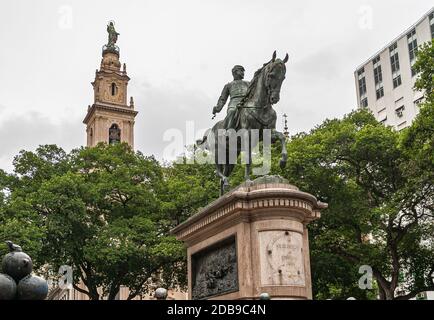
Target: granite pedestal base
250,241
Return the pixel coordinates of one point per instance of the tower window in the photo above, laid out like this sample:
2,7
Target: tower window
114,89
114,134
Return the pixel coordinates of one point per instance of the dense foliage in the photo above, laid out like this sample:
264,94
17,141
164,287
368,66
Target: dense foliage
99,210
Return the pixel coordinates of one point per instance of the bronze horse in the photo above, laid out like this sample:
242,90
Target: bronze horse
255,111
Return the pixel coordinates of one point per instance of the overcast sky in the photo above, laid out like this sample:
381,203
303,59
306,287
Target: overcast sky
179,55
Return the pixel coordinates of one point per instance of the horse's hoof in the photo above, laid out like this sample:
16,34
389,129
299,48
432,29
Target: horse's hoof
225,184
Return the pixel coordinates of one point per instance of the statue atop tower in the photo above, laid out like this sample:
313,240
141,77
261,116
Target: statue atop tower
112,34
112,39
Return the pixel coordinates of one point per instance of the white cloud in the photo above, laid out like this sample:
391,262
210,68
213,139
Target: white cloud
166,107
28,131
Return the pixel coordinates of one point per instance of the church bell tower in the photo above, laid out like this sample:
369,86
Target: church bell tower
110,119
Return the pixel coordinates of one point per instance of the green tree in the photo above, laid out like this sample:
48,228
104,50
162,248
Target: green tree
424,66
377,215
18,219
99,211
418,140
189,187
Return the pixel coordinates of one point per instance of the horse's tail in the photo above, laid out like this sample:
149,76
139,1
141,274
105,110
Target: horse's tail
203,143
200,142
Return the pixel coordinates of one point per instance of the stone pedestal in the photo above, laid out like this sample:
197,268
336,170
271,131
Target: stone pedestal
250,241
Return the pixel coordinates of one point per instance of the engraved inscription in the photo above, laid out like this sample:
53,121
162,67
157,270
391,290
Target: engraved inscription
215,270
281,257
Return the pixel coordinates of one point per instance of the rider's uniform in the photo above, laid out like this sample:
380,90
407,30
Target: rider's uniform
236,90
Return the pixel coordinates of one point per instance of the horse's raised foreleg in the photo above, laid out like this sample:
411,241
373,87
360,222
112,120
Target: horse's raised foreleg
224,182
275,136
221,169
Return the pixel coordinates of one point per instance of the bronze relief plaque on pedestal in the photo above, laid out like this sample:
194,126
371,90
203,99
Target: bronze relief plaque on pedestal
215,270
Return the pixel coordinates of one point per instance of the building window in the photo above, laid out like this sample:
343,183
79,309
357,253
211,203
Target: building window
380,92
412,44
378,77
431,22
394,61
384,121
397,81
412,49
376,60
114,134
362,86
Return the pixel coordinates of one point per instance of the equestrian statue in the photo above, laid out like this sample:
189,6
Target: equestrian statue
250,108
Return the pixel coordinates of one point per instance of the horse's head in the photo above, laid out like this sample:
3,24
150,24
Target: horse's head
274,74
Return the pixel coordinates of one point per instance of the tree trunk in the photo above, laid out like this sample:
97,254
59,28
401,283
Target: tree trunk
93,294
381,292
390,294
386,290
114,290
92,290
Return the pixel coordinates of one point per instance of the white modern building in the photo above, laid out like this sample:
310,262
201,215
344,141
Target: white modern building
385,82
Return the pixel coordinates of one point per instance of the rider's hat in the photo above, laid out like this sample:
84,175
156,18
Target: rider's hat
237,67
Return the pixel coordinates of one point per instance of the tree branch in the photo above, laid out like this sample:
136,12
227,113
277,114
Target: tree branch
414,293
76,287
